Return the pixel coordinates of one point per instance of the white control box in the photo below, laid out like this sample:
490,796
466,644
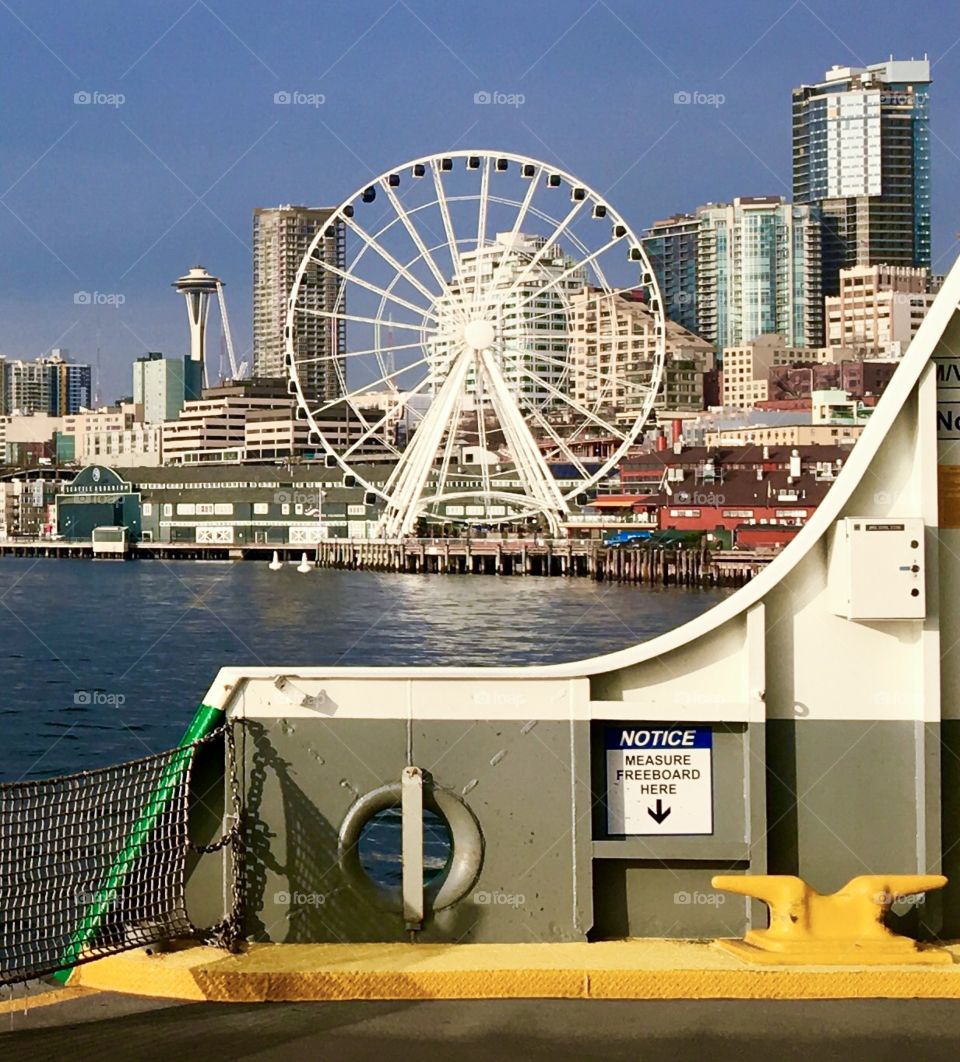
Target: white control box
876,569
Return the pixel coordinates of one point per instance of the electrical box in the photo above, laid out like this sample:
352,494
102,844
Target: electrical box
876,569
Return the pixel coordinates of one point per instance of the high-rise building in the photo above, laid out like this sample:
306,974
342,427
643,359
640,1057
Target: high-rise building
861,152
878,309
162,385
51,384
71,387
3,385
281,237
534,312
671,246
28,386
758,272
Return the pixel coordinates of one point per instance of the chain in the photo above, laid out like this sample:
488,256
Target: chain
228,933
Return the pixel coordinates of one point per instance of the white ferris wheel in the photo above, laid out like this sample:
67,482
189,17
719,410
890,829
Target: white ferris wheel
483,360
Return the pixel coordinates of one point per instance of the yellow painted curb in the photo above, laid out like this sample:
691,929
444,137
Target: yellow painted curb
637,969
44,999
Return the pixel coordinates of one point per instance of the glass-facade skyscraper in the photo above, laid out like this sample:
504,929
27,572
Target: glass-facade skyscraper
671,246
758,272
861,153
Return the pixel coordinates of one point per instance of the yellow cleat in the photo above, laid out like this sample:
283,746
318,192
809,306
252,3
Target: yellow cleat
844,928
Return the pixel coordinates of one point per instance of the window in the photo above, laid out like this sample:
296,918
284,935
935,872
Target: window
260,508
147,508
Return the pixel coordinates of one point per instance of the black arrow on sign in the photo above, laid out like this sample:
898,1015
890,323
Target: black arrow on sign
660,814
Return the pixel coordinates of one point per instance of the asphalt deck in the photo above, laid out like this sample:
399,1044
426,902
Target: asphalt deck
105,1026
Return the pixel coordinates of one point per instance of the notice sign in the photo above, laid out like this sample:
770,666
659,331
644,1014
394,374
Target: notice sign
659,780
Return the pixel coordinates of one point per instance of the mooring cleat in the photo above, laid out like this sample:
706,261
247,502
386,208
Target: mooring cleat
844,928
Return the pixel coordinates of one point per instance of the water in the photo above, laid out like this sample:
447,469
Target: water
106,661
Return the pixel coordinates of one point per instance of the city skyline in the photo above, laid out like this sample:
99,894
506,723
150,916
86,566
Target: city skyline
112,199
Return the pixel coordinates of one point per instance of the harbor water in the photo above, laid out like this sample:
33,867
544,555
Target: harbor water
105,661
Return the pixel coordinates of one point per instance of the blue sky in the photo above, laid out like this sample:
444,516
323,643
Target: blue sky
121,196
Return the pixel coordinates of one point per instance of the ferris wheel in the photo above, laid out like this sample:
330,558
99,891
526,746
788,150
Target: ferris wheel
476,337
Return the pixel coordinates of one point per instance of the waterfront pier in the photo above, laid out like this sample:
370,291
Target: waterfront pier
647,565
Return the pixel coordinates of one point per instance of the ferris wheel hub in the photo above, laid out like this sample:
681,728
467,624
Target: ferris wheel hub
479,335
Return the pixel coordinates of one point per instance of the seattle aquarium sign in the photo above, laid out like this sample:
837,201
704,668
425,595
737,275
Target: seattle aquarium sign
98,479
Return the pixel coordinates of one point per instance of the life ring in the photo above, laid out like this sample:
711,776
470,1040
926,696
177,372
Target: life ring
466,856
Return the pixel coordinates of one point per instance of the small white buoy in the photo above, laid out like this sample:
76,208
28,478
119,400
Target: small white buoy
276,564
304,565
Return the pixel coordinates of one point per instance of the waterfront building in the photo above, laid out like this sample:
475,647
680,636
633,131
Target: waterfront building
253,420
114,435
716,490
27,502
744,498
212,427
279,432
758,271
612,347
281,237
861,153
162,385
28,439
834,406
878,309
671,246
785,434
236,505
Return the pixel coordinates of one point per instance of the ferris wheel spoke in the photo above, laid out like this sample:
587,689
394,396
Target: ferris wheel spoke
352,278
403,399
450,445
524,207
582,410
482,217
574,368
482,426
375,245
566,451
547,244
444,208
414,233
526,454
407,481
567,273
337,316
393,348
373,383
